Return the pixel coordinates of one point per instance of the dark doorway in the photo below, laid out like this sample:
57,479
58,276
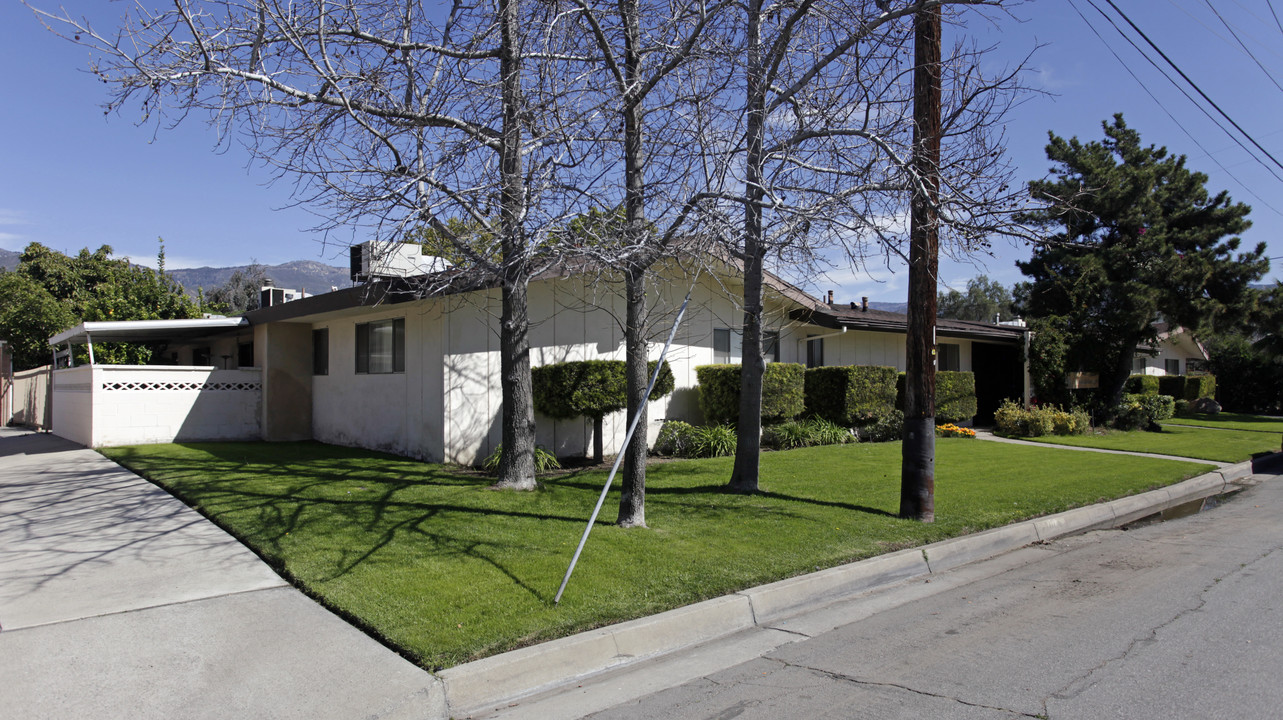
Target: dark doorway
1000,374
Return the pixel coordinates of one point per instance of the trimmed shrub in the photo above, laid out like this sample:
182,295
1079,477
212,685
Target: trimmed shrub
1143,411
1199,386
783,392
850,395
955,395
1173,385
592,388
1142,385
589,388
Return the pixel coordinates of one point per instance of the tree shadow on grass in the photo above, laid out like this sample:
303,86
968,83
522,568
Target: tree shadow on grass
723,489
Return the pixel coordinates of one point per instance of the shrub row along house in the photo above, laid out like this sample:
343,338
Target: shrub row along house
381,366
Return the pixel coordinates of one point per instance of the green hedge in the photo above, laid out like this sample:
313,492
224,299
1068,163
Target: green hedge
1180,387
783,392
955,395
1173,385
1199,386
591,388
1142,385
850,395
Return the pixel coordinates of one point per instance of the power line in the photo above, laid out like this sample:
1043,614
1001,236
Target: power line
1164,108
1215,121
1193,84
1246,49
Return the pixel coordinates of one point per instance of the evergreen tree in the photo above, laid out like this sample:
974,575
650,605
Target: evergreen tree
1133,235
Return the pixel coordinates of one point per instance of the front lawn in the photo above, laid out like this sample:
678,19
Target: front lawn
444,569
1232,421
1180,440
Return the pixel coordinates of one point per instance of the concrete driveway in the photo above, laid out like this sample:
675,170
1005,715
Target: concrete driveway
119,601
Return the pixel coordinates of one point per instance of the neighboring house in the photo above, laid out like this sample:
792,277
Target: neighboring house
1176,352
376,366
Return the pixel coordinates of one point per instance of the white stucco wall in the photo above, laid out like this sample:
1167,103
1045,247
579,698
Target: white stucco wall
446,405
107,405
73,404
1178,346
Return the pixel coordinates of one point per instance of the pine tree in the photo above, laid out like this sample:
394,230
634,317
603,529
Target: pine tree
1135,236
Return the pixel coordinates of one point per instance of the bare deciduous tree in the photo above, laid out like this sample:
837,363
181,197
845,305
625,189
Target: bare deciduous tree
386,116
818,142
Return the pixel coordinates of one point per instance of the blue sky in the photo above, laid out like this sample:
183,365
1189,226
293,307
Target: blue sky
75,178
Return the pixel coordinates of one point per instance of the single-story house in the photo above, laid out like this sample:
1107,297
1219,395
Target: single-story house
1176,352
381,367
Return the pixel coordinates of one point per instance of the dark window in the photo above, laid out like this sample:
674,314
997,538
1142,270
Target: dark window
815,353
771,345
721,346
245,355
1172,366
321,351
380,347
950,357
202,356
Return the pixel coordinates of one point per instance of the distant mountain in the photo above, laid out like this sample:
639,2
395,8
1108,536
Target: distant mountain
9,259
309,275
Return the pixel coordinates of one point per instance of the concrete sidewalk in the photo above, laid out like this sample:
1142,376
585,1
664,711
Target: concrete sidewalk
119,601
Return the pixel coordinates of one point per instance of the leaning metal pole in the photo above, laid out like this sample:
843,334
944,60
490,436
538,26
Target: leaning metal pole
619,457
918,451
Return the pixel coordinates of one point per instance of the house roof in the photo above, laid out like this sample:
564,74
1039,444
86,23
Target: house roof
838,316
454,282
146,330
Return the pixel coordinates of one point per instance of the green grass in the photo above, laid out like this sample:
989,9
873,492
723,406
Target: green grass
1179,440
446,570
1232,421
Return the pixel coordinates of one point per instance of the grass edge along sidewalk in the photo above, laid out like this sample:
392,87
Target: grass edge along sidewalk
1231,421
1179,440
434,564
481,685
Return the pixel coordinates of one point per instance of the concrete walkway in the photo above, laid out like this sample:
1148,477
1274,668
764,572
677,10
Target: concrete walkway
119,601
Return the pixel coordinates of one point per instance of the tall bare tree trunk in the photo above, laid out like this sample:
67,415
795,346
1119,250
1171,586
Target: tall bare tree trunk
517,462
744,476
917,470
632,503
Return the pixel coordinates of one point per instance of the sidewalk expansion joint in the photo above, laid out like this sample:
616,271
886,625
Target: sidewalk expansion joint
145,608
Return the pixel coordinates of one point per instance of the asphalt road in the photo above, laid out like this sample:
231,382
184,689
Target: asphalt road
1178,619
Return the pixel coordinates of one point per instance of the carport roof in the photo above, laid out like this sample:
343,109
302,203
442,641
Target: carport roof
146,330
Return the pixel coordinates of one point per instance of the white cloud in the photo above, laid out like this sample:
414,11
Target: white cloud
12,241
9,216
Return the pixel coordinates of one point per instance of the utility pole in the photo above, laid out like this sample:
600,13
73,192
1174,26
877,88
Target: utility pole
918,454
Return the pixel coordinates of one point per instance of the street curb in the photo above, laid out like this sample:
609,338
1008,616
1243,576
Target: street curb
484,684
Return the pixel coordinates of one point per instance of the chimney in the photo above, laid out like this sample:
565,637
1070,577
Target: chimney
864,303
830,297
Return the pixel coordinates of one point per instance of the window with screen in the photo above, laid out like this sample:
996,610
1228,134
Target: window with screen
380,347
